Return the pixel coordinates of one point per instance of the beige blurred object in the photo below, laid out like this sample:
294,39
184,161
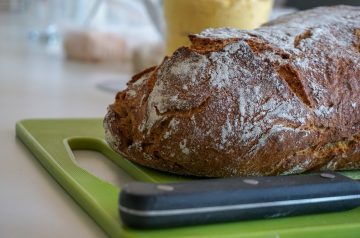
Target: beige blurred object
188,17
147,56
11,5
94,46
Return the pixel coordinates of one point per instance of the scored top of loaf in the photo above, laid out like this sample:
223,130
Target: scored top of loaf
287,91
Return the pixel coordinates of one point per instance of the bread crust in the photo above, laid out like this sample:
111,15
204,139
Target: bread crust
281,99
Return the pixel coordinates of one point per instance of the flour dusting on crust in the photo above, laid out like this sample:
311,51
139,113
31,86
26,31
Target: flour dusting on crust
261,102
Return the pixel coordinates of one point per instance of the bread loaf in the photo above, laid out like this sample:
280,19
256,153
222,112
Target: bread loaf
281,99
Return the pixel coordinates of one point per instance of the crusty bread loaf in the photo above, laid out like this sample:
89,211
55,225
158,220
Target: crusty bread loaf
282,99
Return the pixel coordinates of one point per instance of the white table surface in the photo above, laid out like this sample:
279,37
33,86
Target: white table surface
38,83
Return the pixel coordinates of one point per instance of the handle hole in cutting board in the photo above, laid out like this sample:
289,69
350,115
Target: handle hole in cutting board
100,166
119,164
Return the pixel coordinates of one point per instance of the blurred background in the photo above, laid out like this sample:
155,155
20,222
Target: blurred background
131,35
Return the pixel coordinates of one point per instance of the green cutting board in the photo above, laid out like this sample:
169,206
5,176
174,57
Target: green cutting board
52,142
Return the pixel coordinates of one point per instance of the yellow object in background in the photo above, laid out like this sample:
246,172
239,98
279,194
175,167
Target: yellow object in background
184,17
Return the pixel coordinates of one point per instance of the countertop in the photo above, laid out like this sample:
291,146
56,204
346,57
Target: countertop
38,82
